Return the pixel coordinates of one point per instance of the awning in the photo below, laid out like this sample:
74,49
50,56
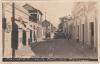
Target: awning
29,27
20,25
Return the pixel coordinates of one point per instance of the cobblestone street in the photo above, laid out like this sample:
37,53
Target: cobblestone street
62,48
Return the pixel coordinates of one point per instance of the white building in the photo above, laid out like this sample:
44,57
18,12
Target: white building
85,23
22,31
35,19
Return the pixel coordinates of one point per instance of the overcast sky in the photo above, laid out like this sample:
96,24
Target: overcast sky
54,8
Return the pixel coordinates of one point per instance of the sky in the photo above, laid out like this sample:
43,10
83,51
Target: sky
54,10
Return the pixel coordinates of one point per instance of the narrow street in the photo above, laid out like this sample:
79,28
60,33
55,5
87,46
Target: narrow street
62,48
50,31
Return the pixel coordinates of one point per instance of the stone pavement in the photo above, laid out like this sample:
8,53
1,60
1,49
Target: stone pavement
72,49
63,48
56,48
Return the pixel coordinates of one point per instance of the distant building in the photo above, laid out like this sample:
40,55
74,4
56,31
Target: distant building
66,25
49,29
85,23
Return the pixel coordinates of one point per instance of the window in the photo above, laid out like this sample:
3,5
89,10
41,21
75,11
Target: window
4,23
33,17
92,28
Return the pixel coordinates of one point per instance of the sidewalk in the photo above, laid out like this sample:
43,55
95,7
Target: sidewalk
25,51
84,48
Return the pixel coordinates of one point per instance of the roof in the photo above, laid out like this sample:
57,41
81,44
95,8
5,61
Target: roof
29,7
45,23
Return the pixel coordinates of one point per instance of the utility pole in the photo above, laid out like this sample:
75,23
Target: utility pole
14,33
3,28
13,23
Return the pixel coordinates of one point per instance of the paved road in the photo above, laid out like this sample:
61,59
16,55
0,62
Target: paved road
62,48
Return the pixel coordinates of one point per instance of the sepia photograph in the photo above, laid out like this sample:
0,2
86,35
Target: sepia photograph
50,31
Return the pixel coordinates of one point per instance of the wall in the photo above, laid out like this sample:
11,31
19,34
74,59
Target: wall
85,13
19,13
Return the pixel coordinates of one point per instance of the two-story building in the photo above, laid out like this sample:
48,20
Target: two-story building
35,20
20,27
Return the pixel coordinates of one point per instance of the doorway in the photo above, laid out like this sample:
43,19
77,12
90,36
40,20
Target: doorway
30,36
92,34
24,38
83,32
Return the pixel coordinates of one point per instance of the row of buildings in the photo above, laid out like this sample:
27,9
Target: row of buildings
66,25
22,25
49,29
82,25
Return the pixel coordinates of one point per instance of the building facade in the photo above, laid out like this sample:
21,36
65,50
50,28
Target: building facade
35,20
48,29
85,23
18,29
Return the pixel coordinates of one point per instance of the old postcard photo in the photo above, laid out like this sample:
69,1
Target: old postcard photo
49,30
